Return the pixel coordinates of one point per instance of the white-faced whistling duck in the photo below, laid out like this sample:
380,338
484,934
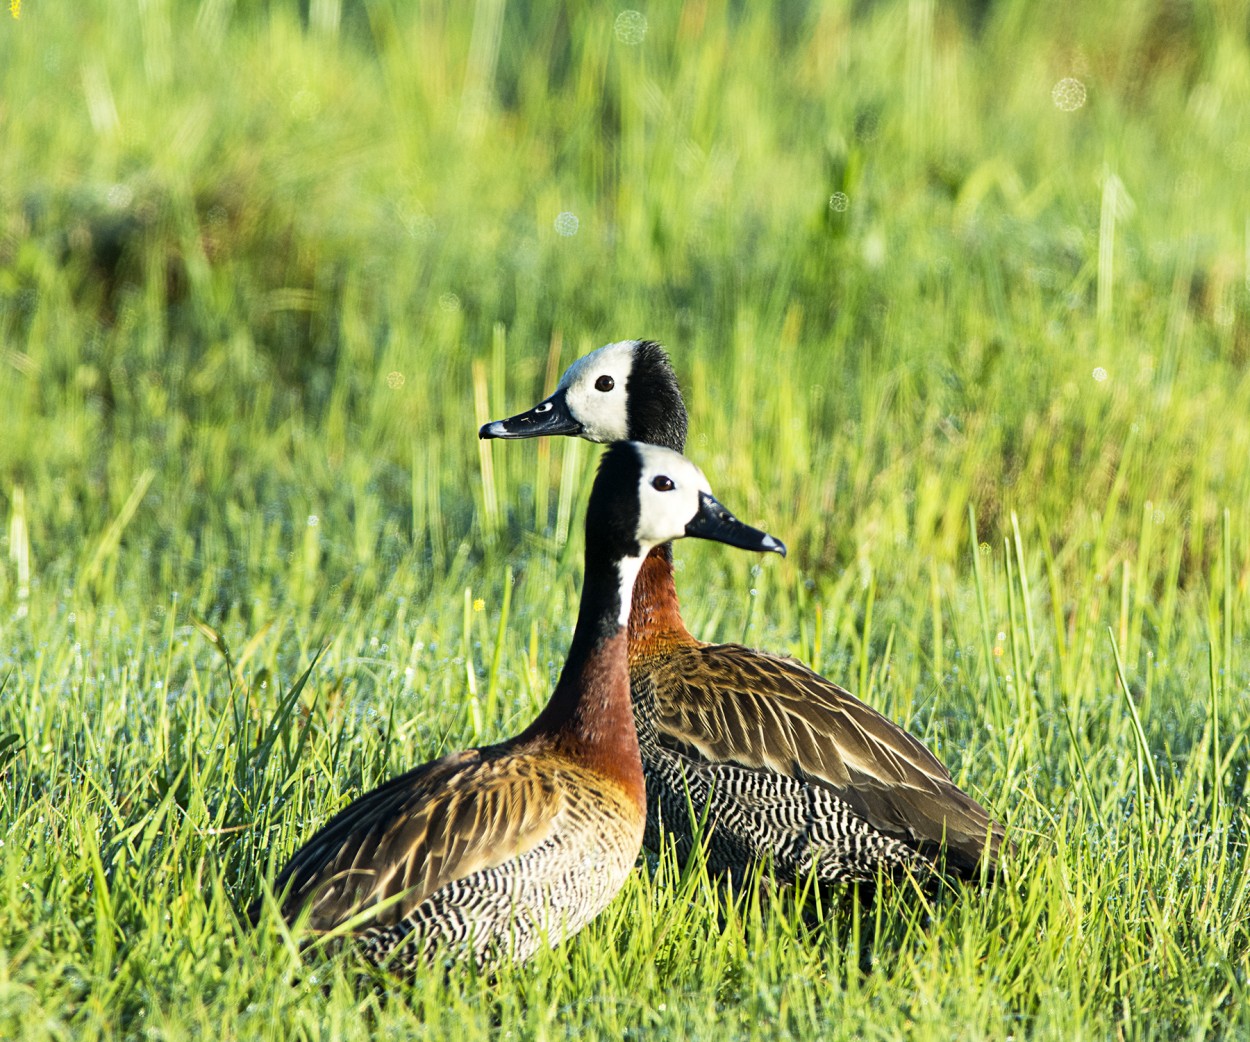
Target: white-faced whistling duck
799,773
495,851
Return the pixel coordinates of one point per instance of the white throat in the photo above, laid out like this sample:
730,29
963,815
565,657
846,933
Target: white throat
627,569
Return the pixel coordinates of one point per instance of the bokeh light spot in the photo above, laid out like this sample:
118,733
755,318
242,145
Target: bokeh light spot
1068,94
630,27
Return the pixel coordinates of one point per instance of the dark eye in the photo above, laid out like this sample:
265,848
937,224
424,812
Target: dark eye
604,383
662,483
545,407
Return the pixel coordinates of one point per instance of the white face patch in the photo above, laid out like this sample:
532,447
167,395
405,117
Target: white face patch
668,500
668,495
594,391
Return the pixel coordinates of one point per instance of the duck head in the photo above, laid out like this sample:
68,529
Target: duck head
625,391
645,495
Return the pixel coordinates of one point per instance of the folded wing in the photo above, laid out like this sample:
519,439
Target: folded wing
732,704
441,822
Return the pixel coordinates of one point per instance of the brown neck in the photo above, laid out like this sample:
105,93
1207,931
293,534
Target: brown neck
598,726
590,717
654,615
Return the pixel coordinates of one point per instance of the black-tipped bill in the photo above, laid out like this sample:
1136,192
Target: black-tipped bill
549,417
713,521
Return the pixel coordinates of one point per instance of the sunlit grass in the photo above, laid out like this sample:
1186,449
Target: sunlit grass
262,274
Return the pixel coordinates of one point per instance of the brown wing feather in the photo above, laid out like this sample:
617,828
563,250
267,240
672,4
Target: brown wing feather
438,823
733,704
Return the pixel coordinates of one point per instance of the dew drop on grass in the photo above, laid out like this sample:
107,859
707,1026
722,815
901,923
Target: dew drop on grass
630,27
1068,94
566,224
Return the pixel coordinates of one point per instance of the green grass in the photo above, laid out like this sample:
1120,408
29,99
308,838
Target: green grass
264,271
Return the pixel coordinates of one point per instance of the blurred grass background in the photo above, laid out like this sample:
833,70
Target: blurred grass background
960,298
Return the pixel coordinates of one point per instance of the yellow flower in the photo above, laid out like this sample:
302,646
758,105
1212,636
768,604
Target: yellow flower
479,604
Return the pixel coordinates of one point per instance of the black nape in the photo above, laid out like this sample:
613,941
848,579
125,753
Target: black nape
657,413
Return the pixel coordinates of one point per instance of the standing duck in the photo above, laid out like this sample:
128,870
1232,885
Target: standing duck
495,851
787,767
